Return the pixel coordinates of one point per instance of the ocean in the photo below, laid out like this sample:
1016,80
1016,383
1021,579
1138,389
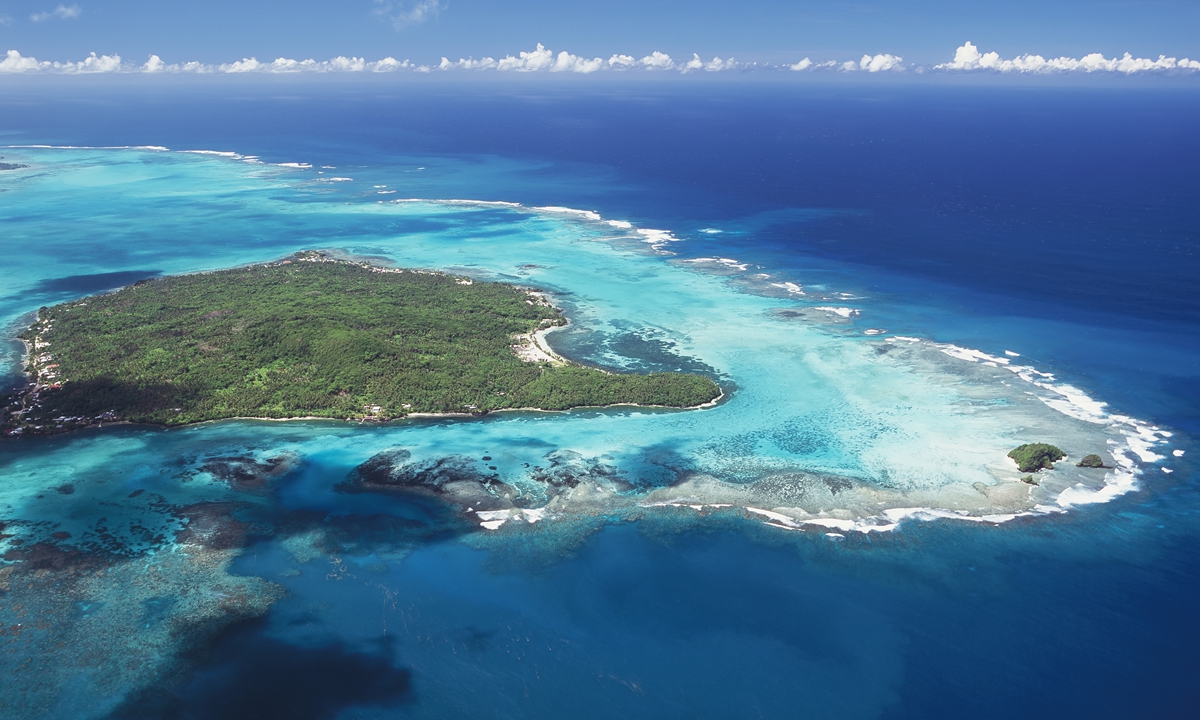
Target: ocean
894,281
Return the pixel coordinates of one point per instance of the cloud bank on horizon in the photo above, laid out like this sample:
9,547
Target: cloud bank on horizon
967,59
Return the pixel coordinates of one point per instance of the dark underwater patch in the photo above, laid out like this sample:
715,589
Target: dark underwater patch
245,675
663,465
247,474
213,525
567,468
455,479
85,284
640,348
378,533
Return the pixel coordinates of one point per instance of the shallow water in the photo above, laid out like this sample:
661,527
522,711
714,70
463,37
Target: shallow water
747,584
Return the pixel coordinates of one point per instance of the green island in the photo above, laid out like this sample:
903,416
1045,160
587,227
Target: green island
311,336
1032,457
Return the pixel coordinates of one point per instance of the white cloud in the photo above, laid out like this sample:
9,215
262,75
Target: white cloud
881,63
103,63
14,62
154,64
404,14
62,12
566,62
540,59
242,66
717,65
967,57
288,65
486,63
389,64
802,65
347,64
543,60
6,20
657,61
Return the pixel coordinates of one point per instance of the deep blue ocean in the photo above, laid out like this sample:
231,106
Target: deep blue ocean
1061,222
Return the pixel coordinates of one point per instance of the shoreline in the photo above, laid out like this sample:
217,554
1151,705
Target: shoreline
532,347
373,421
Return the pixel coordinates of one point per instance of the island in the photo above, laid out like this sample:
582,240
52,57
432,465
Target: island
1032,457
311,336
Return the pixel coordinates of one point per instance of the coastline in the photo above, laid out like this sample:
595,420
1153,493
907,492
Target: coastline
374,421
532,347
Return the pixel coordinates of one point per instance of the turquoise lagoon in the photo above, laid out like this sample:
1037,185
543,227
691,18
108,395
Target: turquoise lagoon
140,546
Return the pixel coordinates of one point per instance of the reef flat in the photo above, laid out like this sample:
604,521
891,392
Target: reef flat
316,337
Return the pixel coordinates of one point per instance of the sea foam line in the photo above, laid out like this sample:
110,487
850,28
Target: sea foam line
1139,436
151,148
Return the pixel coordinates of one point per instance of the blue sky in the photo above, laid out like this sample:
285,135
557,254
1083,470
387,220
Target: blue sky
780,31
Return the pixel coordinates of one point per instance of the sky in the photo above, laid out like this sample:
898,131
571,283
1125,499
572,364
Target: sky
922,33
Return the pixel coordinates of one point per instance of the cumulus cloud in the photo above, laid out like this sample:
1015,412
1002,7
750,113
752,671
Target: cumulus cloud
103,63
657,61
404,14
802,65
62,12
390,64
14,62
486,63
288,65
881,63
714,65
968,57
539,59
566,62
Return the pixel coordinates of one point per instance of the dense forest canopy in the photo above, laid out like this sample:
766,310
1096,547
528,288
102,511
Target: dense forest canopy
314,336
